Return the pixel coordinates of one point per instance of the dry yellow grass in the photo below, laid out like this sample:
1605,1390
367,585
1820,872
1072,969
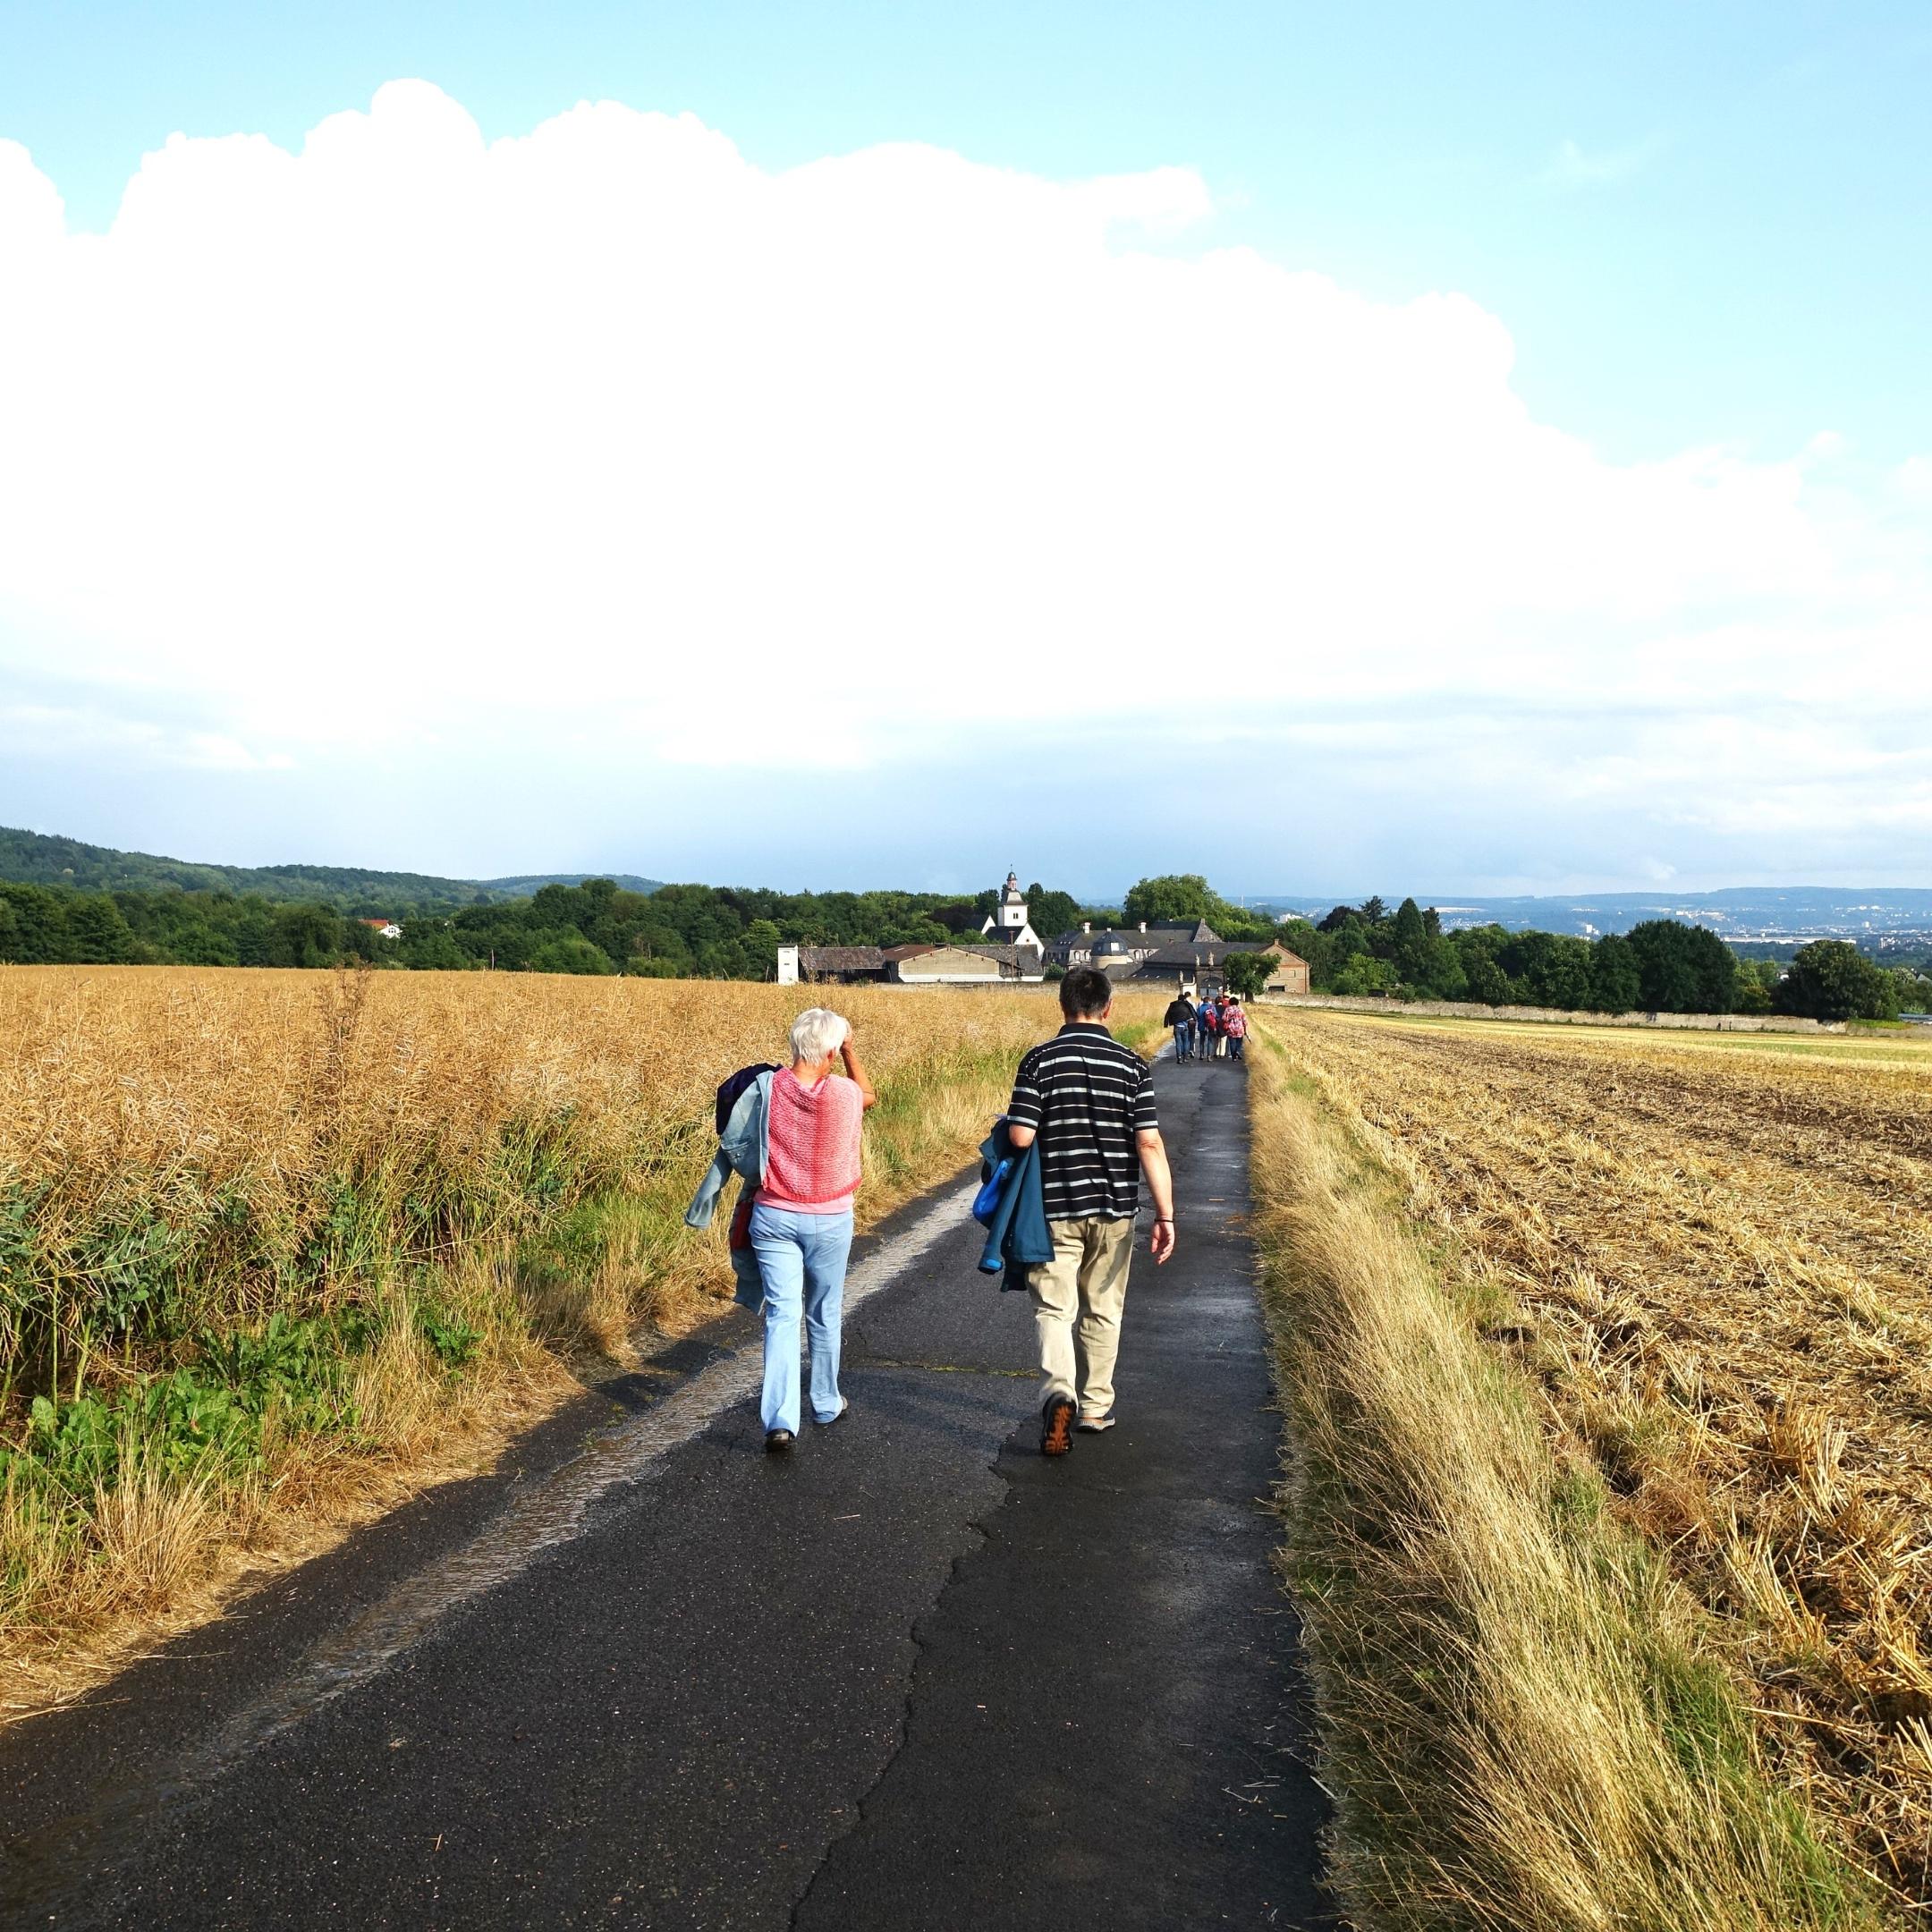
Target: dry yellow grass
1714,1265
457,1181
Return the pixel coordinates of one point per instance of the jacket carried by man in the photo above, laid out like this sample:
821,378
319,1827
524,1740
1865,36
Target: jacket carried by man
1015,1217
1179,1011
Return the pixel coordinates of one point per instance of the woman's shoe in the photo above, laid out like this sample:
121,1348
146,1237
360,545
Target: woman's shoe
825,1421
777,1440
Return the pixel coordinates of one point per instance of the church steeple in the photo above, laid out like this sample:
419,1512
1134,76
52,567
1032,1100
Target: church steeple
1008,923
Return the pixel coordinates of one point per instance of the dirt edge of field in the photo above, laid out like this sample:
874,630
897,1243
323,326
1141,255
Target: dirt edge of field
1517,1718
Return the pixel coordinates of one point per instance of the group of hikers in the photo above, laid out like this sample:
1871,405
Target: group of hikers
1214,1030
1079,1137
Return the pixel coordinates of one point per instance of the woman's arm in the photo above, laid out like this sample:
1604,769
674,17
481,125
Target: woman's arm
856,1072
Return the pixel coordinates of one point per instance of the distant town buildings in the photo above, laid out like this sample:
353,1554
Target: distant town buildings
1180,953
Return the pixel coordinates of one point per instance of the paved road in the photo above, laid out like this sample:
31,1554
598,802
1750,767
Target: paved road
915,1675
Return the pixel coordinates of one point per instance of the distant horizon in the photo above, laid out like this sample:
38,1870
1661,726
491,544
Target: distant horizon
1664,892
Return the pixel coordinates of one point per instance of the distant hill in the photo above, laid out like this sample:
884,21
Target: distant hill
40,858
523,887
1869,914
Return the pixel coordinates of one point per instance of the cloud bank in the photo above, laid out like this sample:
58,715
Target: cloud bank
603,450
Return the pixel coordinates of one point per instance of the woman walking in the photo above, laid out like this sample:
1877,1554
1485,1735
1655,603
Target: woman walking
801,1227
1234,1027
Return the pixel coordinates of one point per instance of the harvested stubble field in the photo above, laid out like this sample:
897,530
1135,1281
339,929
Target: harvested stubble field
1713,1261
275,1247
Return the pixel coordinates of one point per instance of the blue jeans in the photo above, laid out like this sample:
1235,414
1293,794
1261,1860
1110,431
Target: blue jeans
1183,1042
802,1258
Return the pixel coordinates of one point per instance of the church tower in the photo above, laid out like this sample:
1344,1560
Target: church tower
1008,924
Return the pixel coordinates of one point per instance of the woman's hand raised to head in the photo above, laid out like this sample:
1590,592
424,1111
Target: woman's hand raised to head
855,1070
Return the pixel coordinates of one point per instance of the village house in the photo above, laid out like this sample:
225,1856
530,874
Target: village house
1011,954
1187,952
384,928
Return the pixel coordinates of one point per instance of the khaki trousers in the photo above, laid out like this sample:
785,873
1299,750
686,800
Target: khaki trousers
1077,1302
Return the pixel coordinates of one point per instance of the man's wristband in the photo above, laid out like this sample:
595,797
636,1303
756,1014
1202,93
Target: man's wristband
1168,1218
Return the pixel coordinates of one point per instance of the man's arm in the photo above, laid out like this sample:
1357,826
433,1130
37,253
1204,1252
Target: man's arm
855,1072
1153,1152
1019,1137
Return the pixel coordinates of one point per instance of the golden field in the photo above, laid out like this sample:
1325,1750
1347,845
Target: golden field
272,1241
1703,1266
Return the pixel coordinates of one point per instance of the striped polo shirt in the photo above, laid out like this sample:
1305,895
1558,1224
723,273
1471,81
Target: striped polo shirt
1086,1096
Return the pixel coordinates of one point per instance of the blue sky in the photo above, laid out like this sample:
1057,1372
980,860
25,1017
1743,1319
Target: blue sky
1699,230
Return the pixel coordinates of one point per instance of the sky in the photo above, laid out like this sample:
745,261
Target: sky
1384,448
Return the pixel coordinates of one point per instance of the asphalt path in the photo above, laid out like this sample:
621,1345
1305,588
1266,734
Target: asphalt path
914,1674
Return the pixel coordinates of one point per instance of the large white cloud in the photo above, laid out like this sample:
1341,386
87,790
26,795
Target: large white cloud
413,435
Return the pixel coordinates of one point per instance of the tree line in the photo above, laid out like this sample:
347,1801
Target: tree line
675,932
1660,966
734,933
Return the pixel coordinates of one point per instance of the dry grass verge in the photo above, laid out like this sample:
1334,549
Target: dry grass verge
278,1248
1519,1719
1715,1261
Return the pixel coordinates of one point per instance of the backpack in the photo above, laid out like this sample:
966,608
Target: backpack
734,1084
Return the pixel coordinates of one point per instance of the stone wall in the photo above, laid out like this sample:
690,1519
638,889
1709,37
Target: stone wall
1555,1016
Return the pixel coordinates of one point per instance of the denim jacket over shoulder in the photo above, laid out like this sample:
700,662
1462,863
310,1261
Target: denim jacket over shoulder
1017,1234
742,1150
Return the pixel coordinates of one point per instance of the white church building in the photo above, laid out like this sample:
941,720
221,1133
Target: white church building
1007,924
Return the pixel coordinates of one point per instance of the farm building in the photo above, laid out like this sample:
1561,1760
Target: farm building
1179,952
910,965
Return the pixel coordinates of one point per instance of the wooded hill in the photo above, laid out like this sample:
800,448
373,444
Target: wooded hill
41,858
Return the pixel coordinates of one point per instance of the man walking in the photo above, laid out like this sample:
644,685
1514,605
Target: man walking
1090,1103
1180,1016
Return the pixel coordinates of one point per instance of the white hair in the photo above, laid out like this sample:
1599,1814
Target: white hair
817,1032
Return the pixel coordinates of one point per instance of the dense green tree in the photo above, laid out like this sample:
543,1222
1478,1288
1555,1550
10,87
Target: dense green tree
1486,980
1413,955
1366,975
1548,969
1051,912
1247,974
1831,980
1187,895
430,945
306,935
1302,939
1683,968
1750,995
1174,895
571,952
1911,990
39,925
1615,984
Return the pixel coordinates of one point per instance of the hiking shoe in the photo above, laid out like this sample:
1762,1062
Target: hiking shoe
1056,1426
777,1441
1091,1425
825,1421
